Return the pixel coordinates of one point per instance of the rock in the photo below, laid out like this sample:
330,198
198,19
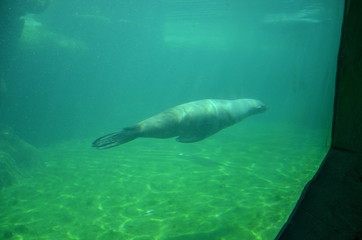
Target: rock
17,157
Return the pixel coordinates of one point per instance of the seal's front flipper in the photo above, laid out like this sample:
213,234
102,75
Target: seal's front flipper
189,139
114,139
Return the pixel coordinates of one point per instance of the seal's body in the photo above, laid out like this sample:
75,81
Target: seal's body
189,122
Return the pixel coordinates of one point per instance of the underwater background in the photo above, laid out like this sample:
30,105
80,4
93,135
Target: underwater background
81,69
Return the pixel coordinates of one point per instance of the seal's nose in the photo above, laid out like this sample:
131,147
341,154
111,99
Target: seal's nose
264,107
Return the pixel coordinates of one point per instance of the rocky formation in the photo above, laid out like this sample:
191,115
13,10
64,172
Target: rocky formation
11,27
17,157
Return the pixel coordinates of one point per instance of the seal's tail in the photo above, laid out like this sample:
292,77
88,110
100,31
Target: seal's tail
114,139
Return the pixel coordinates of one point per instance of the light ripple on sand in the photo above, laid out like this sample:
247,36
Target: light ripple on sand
232,190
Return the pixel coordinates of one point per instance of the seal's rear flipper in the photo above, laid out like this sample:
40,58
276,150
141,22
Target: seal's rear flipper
114,139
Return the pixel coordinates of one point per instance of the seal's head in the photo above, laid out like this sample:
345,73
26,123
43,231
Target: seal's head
250,106
258,106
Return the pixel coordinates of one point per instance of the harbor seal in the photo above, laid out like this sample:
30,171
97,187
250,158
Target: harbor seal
189,122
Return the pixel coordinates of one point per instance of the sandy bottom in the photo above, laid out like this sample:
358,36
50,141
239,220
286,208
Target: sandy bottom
227,187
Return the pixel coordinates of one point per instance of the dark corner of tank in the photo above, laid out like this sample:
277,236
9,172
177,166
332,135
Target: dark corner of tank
18,158
330,206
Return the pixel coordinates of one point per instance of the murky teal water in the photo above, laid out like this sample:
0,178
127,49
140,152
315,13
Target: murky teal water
161,189
82,69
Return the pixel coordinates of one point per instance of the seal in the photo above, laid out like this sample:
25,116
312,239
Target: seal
189,122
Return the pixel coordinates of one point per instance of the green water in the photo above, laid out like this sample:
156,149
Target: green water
82,69
226,187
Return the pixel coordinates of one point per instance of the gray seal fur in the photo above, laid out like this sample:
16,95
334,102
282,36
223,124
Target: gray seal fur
189,122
